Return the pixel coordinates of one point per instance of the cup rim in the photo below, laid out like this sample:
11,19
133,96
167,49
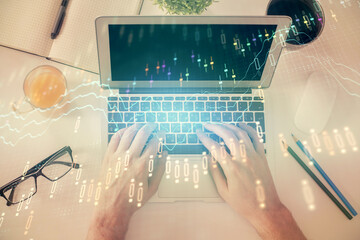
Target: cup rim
27,98
321,29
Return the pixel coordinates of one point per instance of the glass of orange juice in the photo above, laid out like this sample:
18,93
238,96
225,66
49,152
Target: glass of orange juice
44,87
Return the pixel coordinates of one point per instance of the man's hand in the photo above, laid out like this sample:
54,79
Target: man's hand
128,179
243,179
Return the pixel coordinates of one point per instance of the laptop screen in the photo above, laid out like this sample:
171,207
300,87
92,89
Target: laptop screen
185,52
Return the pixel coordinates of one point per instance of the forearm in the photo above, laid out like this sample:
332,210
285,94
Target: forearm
108,228
276,224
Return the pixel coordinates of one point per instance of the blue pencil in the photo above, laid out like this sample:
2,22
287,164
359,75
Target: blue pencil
325,176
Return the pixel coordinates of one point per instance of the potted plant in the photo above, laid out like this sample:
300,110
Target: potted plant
183,7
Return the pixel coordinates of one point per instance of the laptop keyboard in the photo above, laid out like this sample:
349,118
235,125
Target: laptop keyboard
180,116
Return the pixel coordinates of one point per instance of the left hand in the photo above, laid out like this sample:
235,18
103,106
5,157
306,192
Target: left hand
128,183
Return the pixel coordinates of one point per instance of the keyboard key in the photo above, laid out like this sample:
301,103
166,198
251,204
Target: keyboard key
123,106
186,127
249,117
194,117
115,117
169,98
259,117
253,125
238,117
114,127
155,106
188,106
124,98
197,126
134,106
205,117
227,117
112,106
166,106
157,98
247,98
202,98
172,117
258,98
185,149
216,117
181,138
220,106
192,138
179,98
109,137
145,98
199,106
165,127
191,98
210,106
242,106
150,117
183,117
161,117
214,98
145,106
225,98
178,106
231,106
112,98
175,128
135,98
170,138
256,106
139,117
129,117
236,98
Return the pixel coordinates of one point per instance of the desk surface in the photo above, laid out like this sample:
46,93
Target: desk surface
63,210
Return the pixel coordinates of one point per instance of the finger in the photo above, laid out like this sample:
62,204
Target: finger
215,150
141,138
115,139
128,137
152,147
257,142
228,136
159,169
243,137
219,179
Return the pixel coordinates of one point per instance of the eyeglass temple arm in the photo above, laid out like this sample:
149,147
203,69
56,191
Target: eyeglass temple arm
73,165
8,203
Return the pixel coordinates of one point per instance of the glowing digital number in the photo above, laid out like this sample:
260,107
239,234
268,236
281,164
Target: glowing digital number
257,63
223,38
186,169
272,60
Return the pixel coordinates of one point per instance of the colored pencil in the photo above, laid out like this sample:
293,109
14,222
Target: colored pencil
325,176
319,183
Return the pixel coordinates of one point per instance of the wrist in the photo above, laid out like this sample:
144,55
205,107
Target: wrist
276,223
104,226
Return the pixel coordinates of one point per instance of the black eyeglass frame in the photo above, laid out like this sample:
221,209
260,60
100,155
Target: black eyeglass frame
36,171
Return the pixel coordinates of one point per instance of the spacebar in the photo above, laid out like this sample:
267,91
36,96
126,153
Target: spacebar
185,149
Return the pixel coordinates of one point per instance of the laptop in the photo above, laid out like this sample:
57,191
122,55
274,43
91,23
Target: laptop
181,72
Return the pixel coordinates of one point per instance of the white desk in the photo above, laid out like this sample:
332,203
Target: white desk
62,216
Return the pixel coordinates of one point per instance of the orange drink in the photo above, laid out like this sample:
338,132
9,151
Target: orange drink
44,87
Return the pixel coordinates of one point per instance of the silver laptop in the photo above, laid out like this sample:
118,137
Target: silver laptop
181,72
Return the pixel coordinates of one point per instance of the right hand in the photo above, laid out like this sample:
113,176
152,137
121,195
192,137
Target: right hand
243,179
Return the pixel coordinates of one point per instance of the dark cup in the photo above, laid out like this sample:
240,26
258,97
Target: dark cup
307,19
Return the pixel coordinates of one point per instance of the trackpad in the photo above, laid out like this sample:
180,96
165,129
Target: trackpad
187,177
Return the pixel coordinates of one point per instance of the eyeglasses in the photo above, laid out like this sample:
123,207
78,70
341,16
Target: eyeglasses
52,168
